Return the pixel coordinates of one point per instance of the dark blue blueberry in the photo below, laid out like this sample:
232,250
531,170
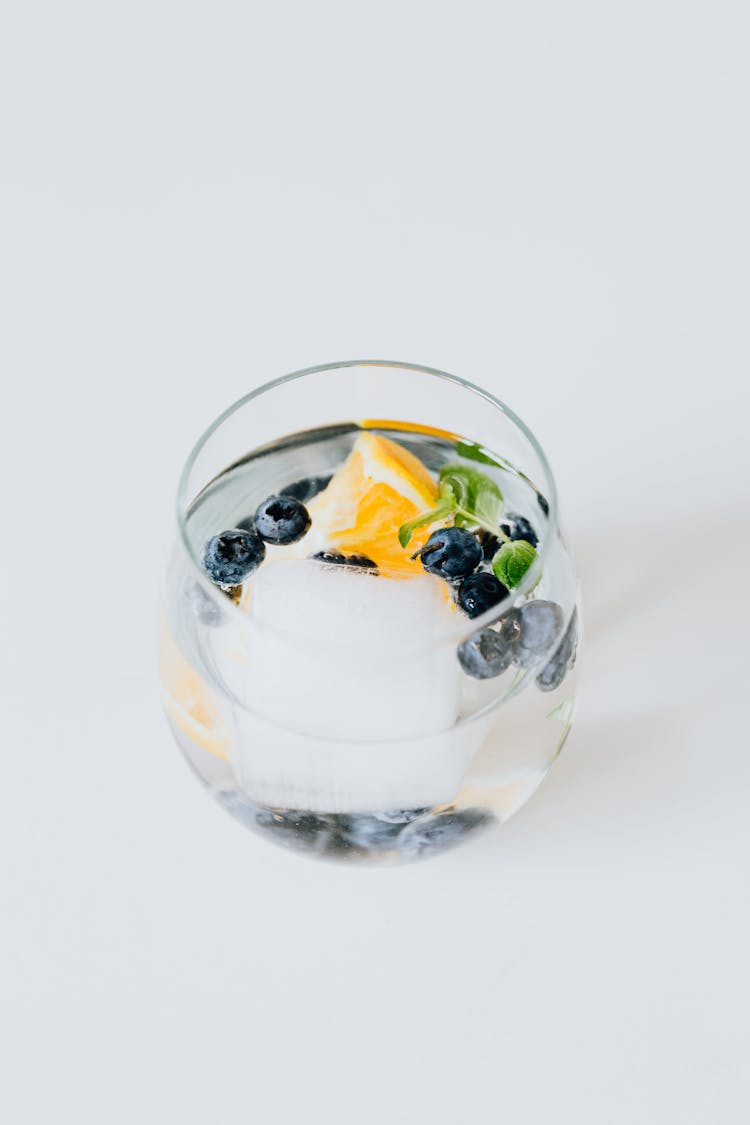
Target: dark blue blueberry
232,556
489,652
542,502
445,830
540,624
360,561
518,527
490,545
365,833
282,520
401,816
553,672
451,553
480,592
335,558
304,490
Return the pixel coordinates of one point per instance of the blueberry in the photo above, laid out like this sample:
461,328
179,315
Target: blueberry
540,623
335,558
365,833
361,561
304,490
518,527
451,552
542,502
401,816
294,828
553,672
480,592
282,520
437,833
232,556
489,652
490,545
332,558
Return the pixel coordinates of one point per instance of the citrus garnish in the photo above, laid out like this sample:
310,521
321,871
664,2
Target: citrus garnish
188,700
409,428
380,486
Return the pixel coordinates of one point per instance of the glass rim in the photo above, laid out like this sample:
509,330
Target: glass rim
470,625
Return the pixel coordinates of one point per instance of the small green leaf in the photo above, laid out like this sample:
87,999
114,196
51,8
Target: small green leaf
473,452
488,501
512,562
468,485
459,479
405,532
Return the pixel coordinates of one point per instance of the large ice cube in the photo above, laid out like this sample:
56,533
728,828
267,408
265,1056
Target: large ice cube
342,654
350,691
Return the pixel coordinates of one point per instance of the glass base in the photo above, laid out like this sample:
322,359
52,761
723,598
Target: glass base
395,836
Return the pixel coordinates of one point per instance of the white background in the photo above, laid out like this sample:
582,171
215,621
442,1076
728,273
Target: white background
549,199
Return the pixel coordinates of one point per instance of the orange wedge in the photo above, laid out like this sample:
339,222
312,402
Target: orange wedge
188,700
380,486
408,427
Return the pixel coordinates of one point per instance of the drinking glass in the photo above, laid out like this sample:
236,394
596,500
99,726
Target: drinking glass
362,741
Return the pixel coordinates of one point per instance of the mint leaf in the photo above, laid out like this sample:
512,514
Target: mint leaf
487,502
459,479
473,452
478,497
512,562
443,510
469,485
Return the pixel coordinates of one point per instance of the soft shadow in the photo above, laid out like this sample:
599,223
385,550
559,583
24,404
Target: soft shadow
639,698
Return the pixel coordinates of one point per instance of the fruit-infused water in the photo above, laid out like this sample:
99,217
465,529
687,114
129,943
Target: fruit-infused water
395,669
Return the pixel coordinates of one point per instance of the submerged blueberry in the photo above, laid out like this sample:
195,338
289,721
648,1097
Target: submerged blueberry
445,830
364,832
232,556
401,816
542,502
518,527
305,489
333,558
540,623
490,545
553,672
487,653
451,552
336,558
282,520
480,592
361,561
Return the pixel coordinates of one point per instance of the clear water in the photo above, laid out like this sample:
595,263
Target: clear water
507,732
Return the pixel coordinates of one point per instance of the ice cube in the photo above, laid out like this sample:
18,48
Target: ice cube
338,653
350,691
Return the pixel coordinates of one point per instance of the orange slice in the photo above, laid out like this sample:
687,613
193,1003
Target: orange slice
408,427
188,700
380,486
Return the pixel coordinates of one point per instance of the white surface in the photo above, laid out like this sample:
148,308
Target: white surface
550,199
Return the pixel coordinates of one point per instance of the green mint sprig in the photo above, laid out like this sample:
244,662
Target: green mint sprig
472,498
